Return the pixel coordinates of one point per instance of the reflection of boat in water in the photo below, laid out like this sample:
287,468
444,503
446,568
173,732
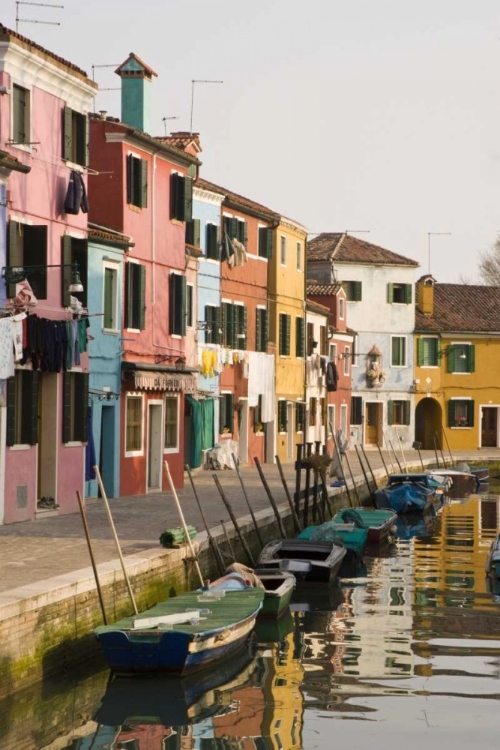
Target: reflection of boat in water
273,630
307,599
175,701
493,559
415,525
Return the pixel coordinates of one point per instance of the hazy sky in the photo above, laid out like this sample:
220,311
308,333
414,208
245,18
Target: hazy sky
377,115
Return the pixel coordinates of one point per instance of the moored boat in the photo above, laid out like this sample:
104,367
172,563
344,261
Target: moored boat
493,559
379,523
182,634
404,497
278,590
457,476
352,538
482,473
314,562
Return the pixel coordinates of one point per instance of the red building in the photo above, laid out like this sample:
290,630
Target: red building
144,190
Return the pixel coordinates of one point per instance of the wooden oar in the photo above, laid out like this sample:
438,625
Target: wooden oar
183,522
215,549
111,523
235,522
243,489
91,553
271,498
298,526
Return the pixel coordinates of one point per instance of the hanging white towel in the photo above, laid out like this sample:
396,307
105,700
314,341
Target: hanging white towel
6,349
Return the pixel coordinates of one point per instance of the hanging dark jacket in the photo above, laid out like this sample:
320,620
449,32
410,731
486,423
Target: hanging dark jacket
332,377
76,195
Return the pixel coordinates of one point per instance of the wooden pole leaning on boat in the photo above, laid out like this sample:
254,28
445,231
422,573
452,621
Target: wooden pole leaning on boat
382,459
435,451
242,539
91,553
183,522
448,445
243,489
438,441
369,468
402,453
215,549
271,498
372,494
395,456
339,462
416,446
113,530
228,541
298,526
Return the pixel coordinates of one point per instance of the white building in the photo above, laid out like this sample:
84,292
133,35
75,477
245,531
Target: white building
379,286
316,403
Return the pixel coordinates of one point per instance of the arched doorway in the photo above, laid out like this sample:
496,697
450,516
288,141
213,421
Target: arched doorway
428,421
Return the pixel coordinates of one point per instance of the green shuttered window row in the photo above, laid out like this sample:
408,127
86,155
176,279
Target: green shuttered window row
181,197
236,229
234,326
399,294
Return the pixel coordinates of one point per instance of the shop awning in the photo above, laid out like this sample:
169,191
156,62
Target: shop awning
152,380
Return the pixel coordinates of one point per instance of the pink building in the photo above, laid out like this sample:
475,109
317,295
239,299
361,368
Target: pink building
147,195
44,105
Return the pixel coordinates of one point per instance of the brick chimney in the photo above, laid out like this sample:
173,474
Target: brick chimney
136,82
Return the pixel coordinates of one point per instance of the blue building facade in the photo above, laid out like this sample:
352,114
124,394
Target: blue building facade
207,218
106,250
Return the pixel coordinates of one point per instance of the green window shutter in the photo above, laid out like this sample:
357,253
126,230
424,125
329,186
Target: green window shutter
211,336
471,360
420,352
66,260
269,242
11,411
262,242
288,325
299,342
265,330
230,411
130,177
182,286
451,413
173,302
241,316
224,323
15,257
68,134
142,297
281,335
197,233
189,232
66,407
129,295
470,413
408,294
282,416
212,242
245,233
406,412
258,330
390,292
86,135
81,406
357,291
35,253
451,358
30,407
187,209
233,228
390,412
144,184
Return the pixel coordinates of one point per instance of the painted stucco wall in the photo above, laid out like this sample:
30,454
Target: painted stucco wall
316,387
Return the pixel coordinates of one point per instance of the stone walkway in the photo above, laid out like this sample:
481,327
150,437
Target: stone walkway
33,551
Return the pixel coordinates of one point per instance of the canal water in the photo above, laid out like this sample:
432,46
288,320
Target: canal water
406,653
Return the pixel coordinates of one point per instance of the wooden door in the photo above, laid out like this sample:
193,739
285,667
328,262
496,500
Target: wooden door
372,423
489,427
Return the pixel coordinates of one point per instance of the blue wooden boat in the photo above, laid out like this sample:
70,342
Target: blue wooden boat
314,562
404,497
182,634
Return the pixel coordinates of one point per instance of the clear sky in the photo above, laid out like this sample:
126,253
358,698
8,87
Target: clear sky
379,115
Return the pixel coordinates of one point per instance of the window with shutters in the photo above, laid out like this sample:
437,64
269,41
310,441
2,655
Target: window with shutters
461,358
110,298
428,351
312,411
323,340
356,410
311,343
136,296
400,294
284,334
461,412
22,408
261,330
28,247
74,250
343,418
181,197
347,360
177,304
137,181
283,250
299,256
300,416
75,406
322,410
75,137
189,305
20,115
192,234
398,412
236,229
266,239
212,321
240,326
341,308
226,416
212,242
398,351
171,440
331,418
299,337
282,416
134,425
352,290
228,329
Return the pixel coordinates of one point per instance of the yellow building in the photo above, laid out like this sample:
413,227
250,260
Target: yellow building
286,291
457,373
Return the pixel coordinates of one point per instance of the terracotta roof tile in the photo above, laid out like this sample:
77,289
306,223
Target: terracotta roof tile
7,35
344,248
194,251
109,235
322,289
238,200
316,307
181,140
462,308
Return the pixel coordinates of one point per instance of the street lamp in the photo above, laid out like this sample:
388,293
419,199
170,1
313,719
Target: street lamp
15,274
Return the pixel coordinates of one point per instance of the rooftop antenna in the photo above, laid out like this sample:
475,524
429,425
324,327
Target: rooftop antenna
192,99
113,88
429,235
164,120
29,20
